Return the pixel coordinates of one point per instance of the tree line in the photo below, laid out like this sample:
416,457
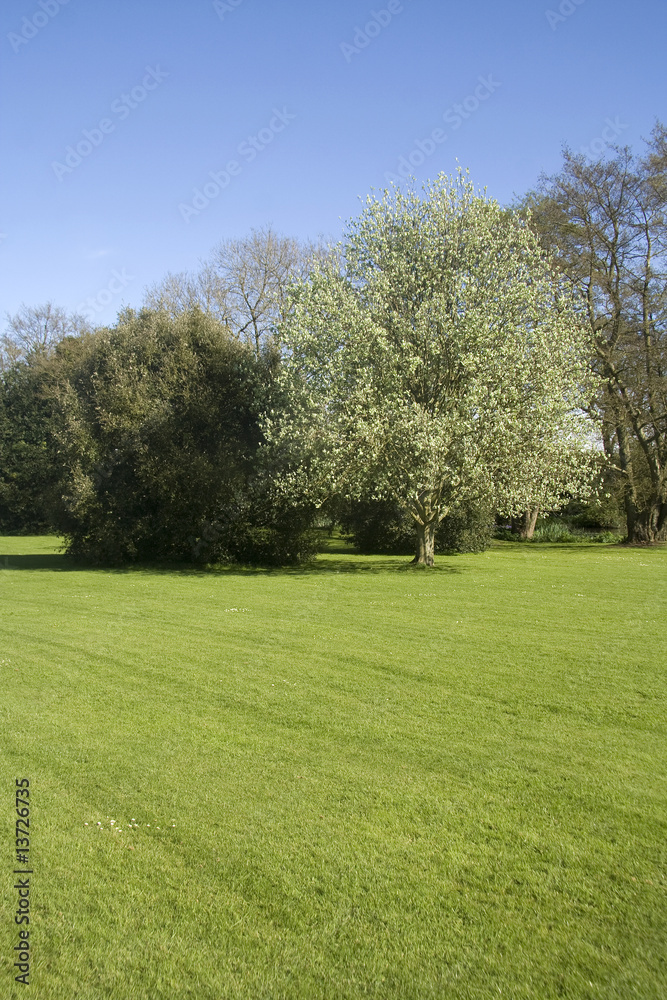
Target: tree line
449,361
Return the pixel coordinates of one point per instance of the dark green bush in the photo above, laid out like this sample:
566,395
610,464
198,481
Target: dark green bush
27,468
468,529
381,527
377,527
159,443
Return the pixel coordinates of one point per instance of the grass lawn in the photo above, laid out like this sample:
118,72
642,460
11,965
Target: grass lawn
361,779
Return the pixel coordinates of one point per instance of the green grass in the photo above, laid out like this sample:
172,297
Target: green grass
385,782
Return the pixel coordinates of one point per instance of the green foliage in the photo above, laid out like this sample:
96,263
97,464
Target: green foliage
442,366
605,537
260,528
605,513
379,527
468,529
559,530
605,223
553,531
158,440
26,462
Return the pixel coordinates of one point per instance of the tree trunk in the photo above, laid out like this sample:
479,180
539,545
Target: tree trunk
425,544
648,526
524,526
629,496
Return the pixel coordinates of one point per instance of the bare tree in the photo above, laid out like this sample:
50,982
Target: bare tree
243,284
181,292
36,329
257,271
607,224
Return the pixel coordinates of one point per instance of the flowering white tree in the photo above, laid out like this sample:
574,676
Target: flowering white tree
442,363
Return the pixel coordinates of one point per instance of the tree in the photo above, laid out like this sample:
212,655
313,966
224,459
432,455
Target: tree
157,433
257,272
36,329
180,293
383,527
244,284
26,462
606,224
442,364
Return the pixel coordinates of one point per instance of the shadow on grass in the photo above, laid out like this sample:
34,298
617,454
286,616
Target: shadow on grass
51,561
527,545
349,564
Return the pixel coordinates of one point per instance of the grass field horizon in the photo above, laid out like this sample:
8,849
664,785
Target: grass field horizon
353,779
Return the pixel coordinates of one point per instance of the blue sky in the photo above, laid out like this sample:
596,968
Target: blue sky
116,112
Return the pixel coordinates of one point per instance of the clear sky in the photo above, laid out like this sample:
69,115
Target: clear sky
115,113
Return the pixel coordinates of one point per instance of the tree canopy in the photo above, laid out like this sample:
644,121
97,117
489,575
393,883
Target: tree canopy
36,330
606,224
243,284
156,430
442,363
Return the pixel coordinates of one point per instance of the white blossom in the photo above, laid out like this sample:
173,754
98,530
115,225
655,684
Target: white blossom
442,363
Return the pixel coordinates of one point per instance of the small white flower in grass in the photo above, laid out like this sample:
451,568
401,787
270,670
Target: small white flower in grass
85,824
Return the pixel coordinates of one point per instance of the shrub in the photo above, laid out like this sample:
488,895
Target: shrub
467,530
558,531
27,467
553,531
159,441
380,527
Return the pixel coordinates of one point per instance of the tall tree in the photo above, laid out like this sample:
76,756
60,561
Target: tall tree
27,463
257,272
183,292
243,284
27,468
441,364
606,224
157,434
36,329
